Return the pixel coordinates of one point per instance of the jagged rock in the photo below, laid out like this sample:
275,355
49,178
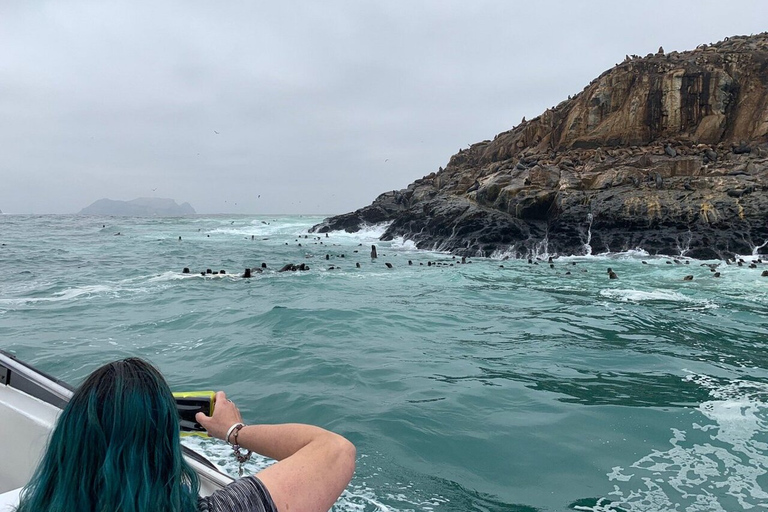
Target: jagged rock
666,152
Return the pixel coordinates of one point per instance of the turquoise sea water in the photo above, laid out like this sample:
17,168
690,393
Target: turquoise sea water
465,387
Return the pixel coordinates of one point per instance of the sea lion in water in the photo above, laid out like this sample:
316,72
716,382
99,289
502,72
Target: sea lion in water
389,265
612,274
373,252
247,273
688,278
185,271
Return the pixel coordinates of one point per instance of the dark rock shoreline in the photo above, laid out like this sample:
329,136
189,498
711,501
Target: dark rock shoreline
668,153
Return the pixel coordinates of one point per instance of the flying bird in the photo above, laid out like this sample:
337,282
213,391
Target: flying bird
214,131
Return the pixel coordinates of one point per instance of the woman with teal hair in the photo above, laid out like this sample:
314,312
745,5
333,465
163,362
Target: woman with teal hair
115,448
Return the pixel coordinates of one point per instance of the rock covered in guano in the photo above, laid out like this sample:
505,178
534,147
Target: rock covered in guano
667,152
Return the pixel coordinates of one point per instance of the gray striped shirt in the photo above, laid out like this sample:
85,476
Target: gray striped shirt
244,495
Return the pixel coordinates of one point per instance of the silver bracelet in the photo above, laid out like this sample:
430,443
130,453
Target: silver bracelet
233,427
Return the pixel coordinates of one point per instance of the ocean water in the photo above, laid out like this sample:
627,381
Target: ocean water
495,385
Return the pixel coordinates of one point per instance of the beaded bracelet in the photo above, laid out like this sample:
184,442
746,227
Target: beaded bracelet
240,456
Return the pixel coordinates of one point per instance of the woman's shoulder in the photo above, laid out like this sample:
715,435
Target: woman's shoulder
244,495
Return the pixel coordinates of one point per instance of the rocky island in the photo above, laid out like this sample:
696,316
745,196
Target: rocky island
667,152
140,207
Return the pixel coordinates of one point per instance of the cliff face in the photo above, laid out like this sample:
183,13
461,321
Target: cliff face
668,152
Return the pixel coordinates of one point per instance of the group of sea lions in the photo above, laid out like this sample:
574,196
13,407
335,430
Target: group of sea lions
292,267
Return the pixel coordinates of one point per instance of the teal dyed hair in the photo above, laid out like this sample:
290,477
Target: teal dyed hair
115,448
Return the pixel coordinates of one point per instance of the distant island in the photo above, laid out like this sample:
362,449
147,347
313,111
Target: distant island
140,207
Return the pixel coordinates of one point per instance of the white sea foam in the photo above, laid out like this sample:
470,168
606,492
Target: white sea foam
64,295
630,295
716,465
369,233
403,244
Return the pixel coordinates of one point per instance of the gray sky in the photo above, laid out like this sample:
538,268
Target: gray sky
319,105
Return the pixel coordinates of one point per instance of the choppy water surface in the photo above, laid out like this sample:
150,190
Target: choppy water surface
493,385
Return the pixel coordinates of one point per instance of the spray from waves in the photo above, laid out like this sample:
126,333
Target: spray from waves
299,227
370,233
530,249
717,465
587,244
401,243
757,248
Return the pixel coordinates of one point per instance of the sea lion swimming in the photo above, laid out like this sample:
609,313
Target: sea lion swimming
688,278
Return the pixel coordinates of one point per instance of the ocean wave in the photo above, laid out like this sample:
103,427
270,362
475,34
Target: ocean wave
716,465
632,295
65,295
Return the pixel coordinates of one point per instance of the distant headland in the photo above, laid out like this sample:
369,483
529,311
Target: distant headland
140,207
667,152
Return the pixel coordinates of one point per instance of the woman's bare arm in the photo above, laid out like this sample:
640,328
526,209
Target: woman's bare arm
314,465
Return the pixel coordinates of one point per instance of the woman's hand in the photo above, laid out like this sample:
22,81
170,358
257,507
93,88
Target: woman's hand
225,414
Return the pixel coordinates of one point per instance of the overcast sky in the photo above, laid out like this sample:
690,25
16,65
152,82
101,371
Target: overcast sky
311,107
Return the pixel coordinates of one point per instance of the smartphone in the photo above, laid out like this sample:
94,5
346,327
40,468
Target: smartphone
189,403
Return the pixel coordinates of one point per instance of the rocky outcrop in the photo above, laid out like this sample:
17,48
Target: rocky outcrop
667,152
140,207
